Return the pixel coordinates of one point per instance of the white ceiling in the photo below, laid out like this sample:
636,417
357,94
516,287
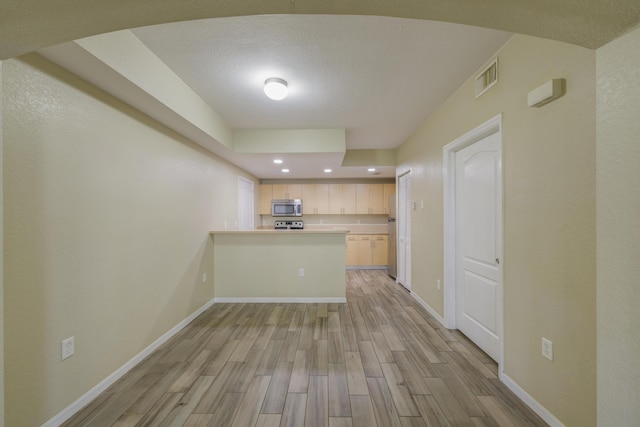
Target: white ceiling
377,77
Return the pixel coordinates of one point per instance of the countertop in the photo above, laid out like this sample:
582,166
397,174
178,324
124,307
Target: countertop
271,231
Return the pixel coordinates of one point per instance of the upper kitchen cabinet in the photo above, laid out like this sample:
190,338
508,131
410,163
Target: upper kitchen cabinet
389,190
342,199
287,191
266,194
315,199
370,199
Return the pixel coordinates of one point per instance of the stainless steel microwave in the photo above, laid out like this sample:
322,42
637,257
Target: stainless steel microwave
286,207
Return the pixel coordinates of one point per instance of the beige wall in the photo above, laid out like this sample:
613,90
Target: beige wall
618,193
245,263
549,217
1,265
107,219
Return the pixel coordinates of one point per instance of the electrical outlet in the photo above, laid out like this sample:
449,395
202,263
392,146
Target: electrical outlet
204,277
547,349
438,284
67,348
301,272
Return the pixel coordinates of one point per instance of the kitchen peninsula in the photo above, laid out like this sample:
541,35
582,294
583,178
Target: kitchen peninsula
268,265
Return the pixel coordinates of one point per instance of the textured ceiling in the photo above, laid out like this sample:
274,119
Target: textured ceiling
377,77
28,25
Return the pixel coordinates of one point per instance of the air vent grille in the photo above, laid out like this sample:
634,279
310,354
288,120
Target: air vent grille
487,78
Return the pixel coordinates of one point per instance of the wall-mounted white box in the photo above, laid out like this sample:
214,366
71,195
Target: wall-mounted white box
545,93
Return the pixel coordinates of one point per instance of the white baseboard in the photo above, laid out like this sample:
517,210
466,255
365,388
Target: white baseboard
530,401
338,300
510,383
429,309
85,399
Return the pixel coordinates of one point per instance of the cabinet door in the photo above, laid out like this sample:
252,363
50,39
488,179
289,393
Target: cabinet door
352,250
309,199
265,199
342,199
322,199
364,250
362,199
349,198
370,199
294,191
380,250
389,190
279,191
376,199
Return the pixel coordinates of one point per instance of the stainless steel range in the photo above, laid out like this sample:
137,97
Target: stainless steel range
288,225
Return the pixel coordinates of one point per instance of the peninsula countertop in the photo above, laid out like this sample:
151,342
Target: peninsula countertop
272,231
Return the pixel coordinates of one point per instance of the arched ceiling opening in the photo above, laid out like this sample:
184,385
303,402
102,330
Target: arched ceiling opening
28,25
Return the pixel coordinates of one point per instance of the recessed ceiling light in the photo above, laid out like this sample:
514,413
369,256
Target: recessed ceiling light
278,161
285,170
371,170
275,88
327,171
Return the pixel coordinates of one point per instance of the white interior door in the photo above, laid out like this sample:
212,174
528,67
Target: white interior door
478,225
404,231
245,204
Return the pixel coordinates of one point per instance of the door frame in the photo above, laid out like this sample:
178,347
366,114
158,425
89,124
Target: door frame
404,174
253,211
449,151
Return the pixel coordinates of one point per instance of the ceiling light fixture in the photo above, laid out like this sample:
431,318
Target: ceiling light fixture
327,171
275,88
285,170
371,170
278,161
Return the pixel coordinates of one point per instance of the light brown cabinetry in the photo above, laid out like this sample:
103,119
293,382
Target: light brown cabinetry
266,194
287,191
334,199
367,249
315,199
352,250
388,190
370,199
342,199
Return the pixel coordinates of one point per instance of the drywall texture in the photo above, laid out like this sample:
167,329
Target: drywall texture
280,255
27,26
107,219
549,217
1,268
618,236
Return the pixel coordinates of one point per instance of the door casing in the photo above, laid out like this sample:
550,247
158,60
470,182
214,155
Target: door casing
491,126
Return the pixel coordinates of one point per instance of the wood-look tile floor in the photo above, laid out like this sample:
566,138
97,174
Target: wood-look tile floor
379,360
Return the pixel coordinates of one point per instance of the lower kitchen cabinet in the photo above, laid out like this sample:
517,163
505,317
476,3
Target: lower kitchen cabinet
367,249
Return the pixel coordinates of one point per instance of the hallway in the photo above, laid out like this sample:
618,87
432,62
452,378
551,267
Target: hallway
378,360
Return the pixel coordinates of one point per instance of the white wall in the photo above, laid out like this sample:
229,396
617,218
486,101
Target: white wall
107,220
618,230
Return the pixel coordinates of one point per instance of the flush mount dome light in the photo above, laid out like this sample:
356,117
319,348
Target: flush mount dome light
275,88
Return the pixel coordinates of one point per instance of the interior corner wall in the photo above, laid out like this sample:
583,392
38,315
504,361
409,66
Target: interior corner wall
107,215
549,217
618,230
1,268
